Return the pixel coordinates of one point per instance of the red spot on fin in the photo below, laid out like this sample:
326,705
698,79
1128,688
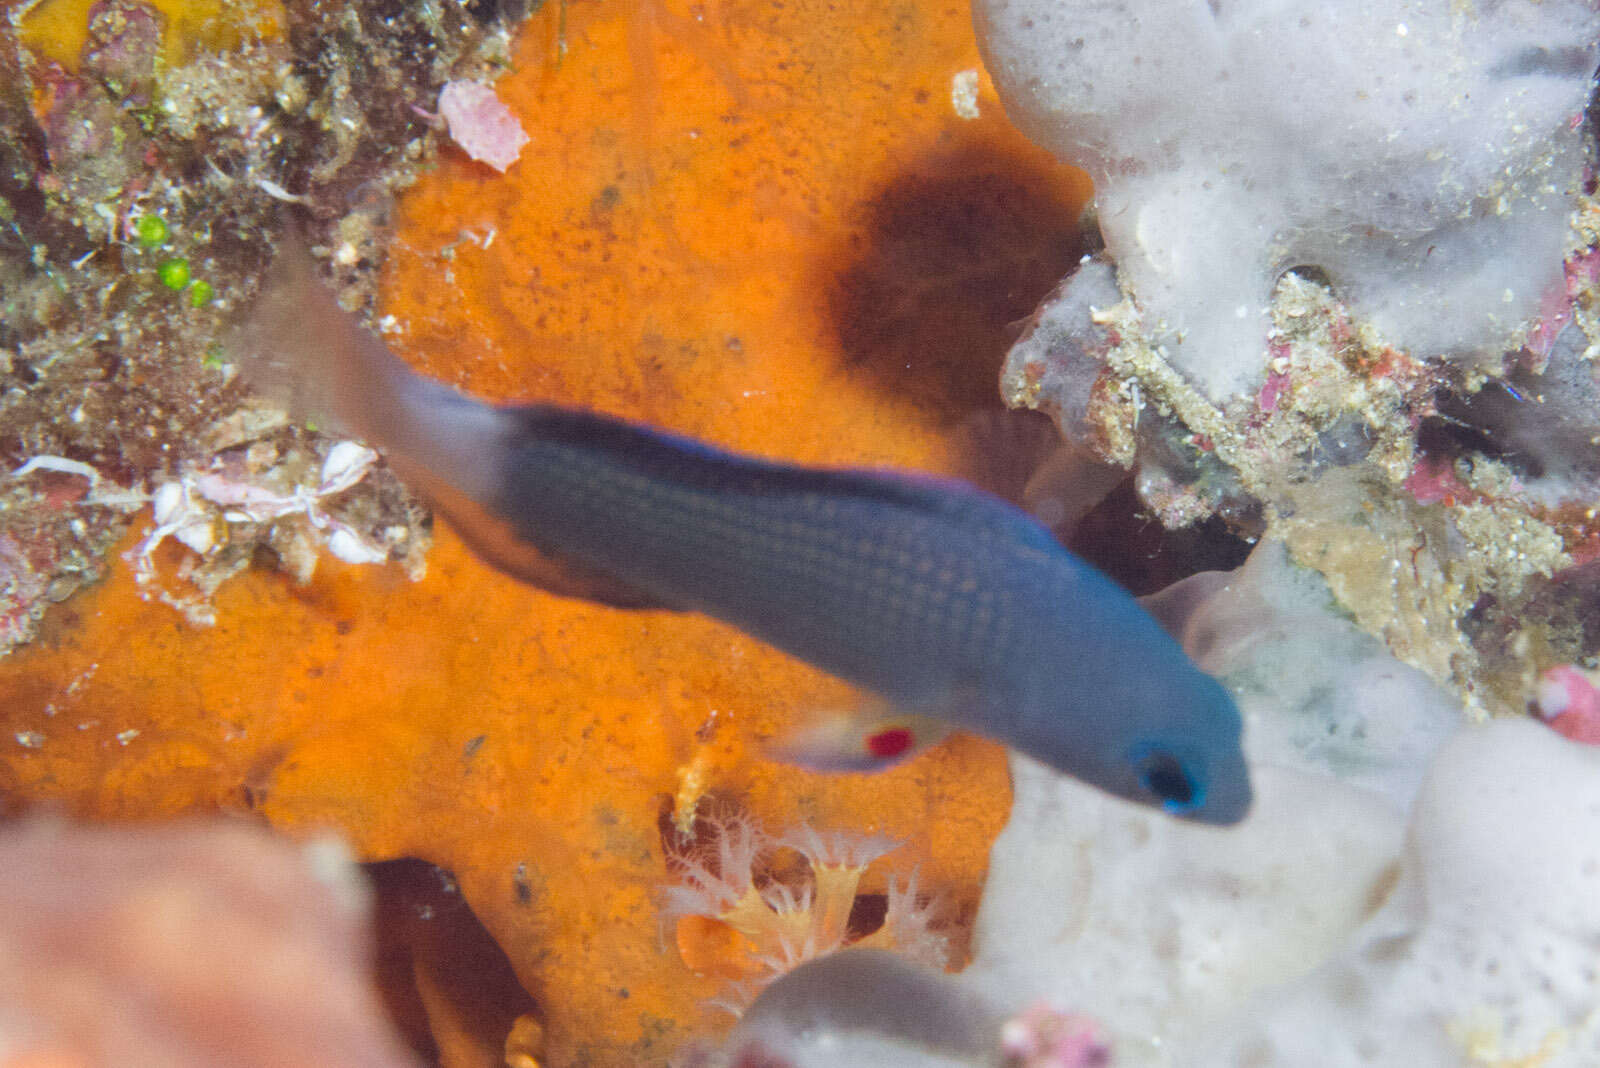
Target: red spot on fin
888,744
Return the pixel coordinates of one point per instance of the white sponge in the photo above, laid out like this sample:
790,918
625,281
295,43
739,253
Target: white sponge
1423,155
1322,930
1489,948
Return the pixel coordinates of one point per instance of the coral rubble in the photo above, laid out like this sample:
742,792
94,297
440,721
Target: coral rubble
147,154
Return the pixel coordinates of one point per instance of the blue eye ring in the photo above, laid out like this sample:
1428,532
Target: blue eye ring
1167,778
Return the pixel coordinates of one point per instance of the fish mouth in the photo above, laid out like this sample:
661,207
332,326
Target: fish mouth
1227,802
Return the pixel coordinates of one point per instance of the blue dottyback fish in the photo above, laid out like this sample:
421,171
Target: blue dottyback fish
950,605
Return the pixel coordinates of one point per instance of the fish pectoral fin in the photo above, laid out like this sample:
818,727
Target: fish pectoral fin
867,739
494,540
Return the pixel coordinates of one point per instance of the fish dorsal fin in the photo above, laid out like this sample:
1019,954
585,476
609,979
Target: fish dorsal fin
660,454
947,498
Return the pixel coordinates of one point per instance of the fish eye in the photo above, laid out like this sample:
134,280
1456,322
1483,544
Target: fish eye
1163,775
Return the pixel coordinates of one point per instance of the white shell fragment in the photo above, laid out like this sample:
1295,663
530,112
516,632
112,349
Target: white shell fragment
190,509
347,463
348,546
59,464
964,94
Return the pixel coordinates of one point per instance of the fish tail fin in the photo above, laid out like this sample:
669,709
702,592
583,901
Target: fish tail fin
301,348
859,740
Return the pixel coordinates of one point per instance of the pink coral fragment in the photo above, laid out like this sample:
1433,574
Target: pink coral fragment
1555,309
481,124
1586,551
1273,390
1046,1037
1432,481
1569,699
